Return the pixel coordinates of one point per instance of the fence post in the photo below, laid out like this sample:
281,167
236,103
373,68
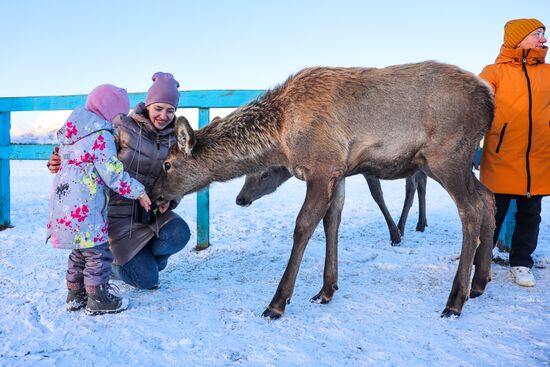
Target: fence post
203,198
5,126
507,229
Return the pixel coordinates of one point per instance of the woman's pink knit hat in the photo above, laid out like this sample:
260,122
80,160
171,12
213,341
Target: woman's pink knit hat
163,90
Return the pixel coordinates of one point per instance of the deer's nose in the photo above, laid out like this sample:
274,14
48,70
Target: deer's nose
241,201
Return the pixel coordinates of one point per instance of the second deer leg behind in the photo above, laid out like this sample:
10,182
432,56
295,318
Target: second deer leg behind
376,192
415,182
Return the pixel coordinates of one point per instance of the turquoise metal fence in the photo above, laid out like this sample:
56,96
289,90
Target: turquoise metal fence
202,100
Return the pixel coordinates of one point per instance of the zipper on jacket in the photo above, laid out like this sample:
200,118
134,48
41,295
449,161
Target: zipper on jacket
529,136
158,142
501,138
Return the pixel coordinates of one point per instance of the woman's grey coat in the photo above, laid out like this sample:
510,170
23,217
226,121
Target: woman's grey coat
142,149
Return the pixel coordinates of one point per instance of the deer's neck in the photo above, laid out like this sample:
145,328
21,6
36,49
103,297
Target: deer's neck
244,142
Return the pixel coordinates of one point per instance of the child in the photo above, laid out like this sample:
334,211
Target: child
78,200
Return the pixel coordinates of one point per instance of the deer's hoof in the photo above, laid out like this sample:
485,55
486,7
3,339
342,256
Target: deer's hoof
395,236
475,293
448,313
421,226
271,314
319,298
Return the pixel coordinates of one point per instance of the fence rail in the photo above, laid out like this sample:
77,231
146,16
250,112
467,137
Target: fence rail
203,100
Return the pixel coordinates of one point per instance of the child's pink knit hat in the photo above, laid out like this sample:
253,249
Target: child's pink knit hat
108,101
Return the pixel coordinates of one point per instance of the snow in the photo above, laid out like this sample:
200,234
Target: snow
207,310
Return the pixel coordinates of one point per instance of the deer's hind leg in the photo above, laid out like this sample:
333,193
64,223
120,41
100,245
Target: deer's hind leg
459,182
483,256
331,224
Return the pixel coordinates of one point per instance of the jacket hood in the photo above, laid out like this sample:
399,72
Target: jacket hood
80,124
139,115
515,56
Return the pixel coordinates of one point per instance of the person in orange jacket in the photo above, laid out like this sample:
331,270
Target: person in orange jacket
516,152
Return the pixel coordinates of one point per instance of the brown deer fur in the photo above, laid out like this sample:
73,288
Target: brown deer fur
324,124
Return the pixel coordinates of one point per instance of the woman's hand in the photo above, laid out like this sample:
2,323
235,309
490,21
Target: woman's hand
54,162
164,207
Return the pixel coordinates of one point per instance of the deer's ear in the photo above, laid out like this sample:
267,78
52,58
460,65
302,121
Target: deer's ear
185,136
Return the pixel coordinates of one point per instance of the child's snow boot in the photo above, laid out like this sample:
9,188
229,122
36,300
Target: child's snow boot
101,300
76,297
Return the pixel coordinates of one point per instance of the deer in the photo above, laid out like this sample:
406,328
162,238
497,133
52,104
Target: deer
327,123
259,184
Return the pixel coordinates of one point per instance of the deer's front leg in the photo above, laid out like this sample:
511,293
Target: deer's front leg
314,208
331,223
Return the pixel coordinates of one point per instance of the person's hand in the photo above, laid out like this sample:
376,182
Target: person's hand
54,162
145,201
164,207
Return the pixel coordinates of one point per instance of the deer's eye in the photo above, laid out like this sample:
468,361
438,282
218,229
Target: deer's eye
167,166
264,175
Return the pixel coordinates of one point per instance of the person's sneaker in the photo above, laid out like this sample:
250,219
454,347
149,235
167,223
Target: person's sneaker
101,300
523,276
76,299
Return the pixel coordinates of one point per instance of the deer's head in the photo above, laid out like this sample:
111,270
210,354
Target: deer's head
181,174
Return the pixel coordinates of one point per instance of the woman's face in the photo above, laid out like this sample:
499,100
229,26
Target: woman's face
535,39
161,114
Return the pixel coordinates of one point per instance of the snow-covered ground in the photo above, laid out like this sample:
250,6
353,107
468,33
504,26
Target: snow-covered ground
207,310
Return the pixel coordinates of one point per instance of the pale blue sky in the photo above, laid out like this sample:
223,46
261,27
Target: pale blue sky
61,47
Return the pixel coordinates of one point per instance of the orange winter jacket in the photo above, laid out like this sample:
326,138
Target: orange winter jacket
516,150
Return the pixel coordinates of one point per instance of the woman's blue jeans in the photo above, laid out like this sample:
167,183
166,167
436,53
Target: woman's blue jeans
142,271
